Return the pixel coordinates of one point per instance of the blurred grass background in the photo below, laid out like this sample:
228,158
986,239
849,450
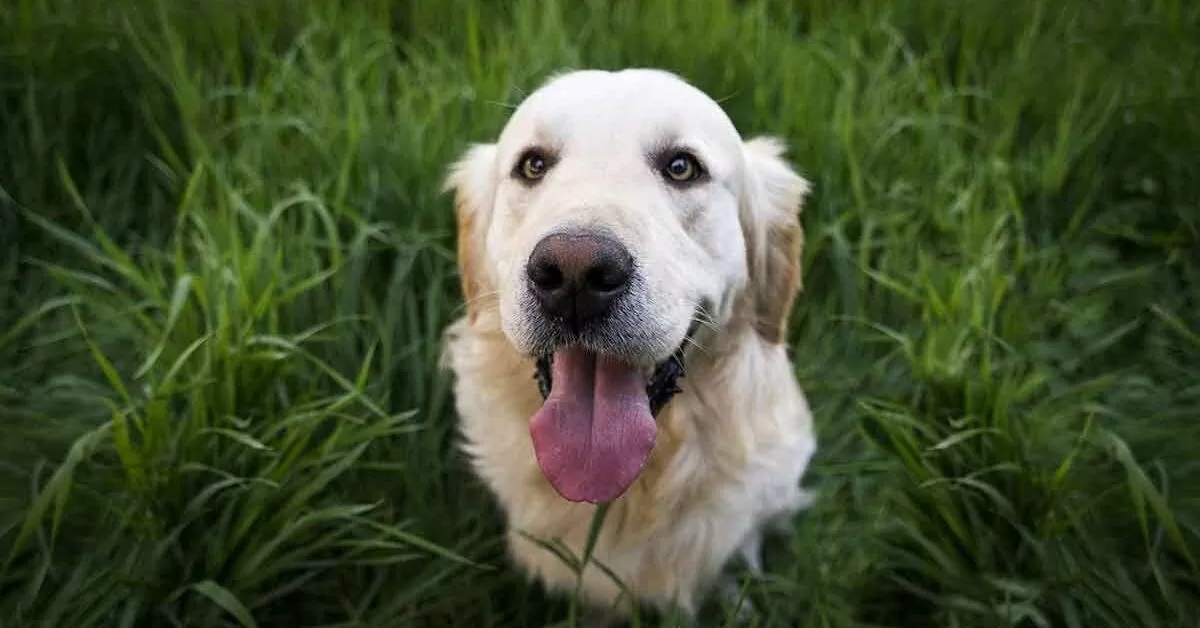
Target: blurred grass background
225,263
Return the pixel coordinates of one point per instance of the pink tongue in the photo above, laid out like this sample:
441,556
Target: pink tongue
594,432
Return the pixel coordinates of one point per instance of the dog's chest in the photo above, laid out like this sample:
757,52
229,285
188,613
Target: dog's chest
670,532
723,463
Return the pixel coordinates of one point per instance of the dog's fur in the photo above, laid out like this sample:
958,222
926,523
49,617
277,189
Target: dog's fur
731,447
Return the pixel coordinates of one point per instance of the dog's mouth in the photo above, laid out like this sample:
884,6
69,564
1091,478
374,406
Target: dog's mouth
596,426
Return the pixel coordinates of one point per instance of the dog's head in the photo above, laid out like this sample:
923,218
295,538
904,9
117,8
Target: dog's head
617,213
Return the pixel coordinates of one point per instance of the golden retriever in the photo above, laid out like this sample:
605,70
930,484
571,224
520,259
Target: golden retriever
629,264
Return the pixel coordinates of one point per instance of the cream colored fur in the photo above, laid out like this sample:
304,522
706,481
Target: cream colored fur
733,446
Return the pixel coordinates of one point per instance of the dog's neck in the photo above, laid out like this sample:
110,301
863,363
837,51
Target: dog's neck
723,412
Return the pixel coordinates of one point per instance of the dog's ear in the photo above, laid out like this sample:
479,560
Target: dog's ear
470,179
774,195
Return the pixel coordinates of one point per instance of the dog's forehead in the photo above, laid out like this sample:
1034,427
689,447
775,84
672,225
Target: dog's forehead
640,104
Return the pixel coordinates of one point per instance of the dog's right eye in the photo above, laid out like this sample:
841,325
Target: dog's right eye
683,168
532,166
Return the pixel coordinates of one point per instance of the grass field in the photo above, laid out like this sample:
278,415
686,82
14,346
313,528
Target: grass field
225,262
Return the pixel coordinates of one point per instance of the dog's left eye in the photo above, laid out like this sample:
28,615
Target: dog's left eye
532,166
682,168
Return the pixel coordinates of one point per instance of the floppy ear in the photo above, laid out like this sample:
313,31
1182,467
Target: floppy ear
470,178
770,215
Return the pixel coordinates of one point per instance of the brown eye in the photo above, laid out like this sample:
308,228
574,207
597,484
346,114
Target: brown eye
533,166
682,168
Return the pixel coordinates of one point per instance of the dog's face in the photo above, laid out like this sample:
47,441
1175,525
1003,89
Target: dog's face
616,214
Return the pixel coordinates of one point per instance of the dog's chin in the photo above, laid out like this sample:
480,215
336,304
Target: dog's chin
596,426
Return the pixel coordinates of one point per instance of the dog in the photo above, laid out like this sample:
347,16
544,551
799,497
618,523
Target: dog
628,265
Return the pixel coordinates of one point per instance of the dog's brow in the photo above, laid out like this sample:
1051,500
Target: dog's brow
541,139
664,142
668,144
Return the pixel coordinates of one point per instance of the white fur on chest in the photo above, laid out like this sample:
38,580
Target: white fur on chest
728,461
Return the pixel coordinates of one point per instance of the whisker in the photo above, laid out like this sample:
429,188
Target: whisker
705,319
480,297
693,343
731,96
501,104
478,300
702,317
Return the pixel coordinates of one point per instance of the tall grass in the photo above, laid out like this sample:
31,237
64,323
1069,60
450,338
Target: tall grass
225,264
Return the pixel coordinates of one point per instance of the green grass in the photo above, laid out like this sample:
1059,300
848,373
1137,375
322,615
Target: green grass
225,262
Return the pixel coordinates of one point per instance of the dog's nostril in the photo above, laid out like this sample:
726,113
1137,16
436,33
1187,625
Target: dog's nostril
606,278
546,276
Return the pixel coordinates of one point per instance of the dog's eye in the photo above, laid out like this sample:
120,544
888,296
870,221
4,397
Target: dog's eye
533,166
683,168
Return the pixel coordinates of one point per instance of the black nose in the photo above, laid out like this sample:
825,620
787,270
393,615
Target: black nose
576,277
